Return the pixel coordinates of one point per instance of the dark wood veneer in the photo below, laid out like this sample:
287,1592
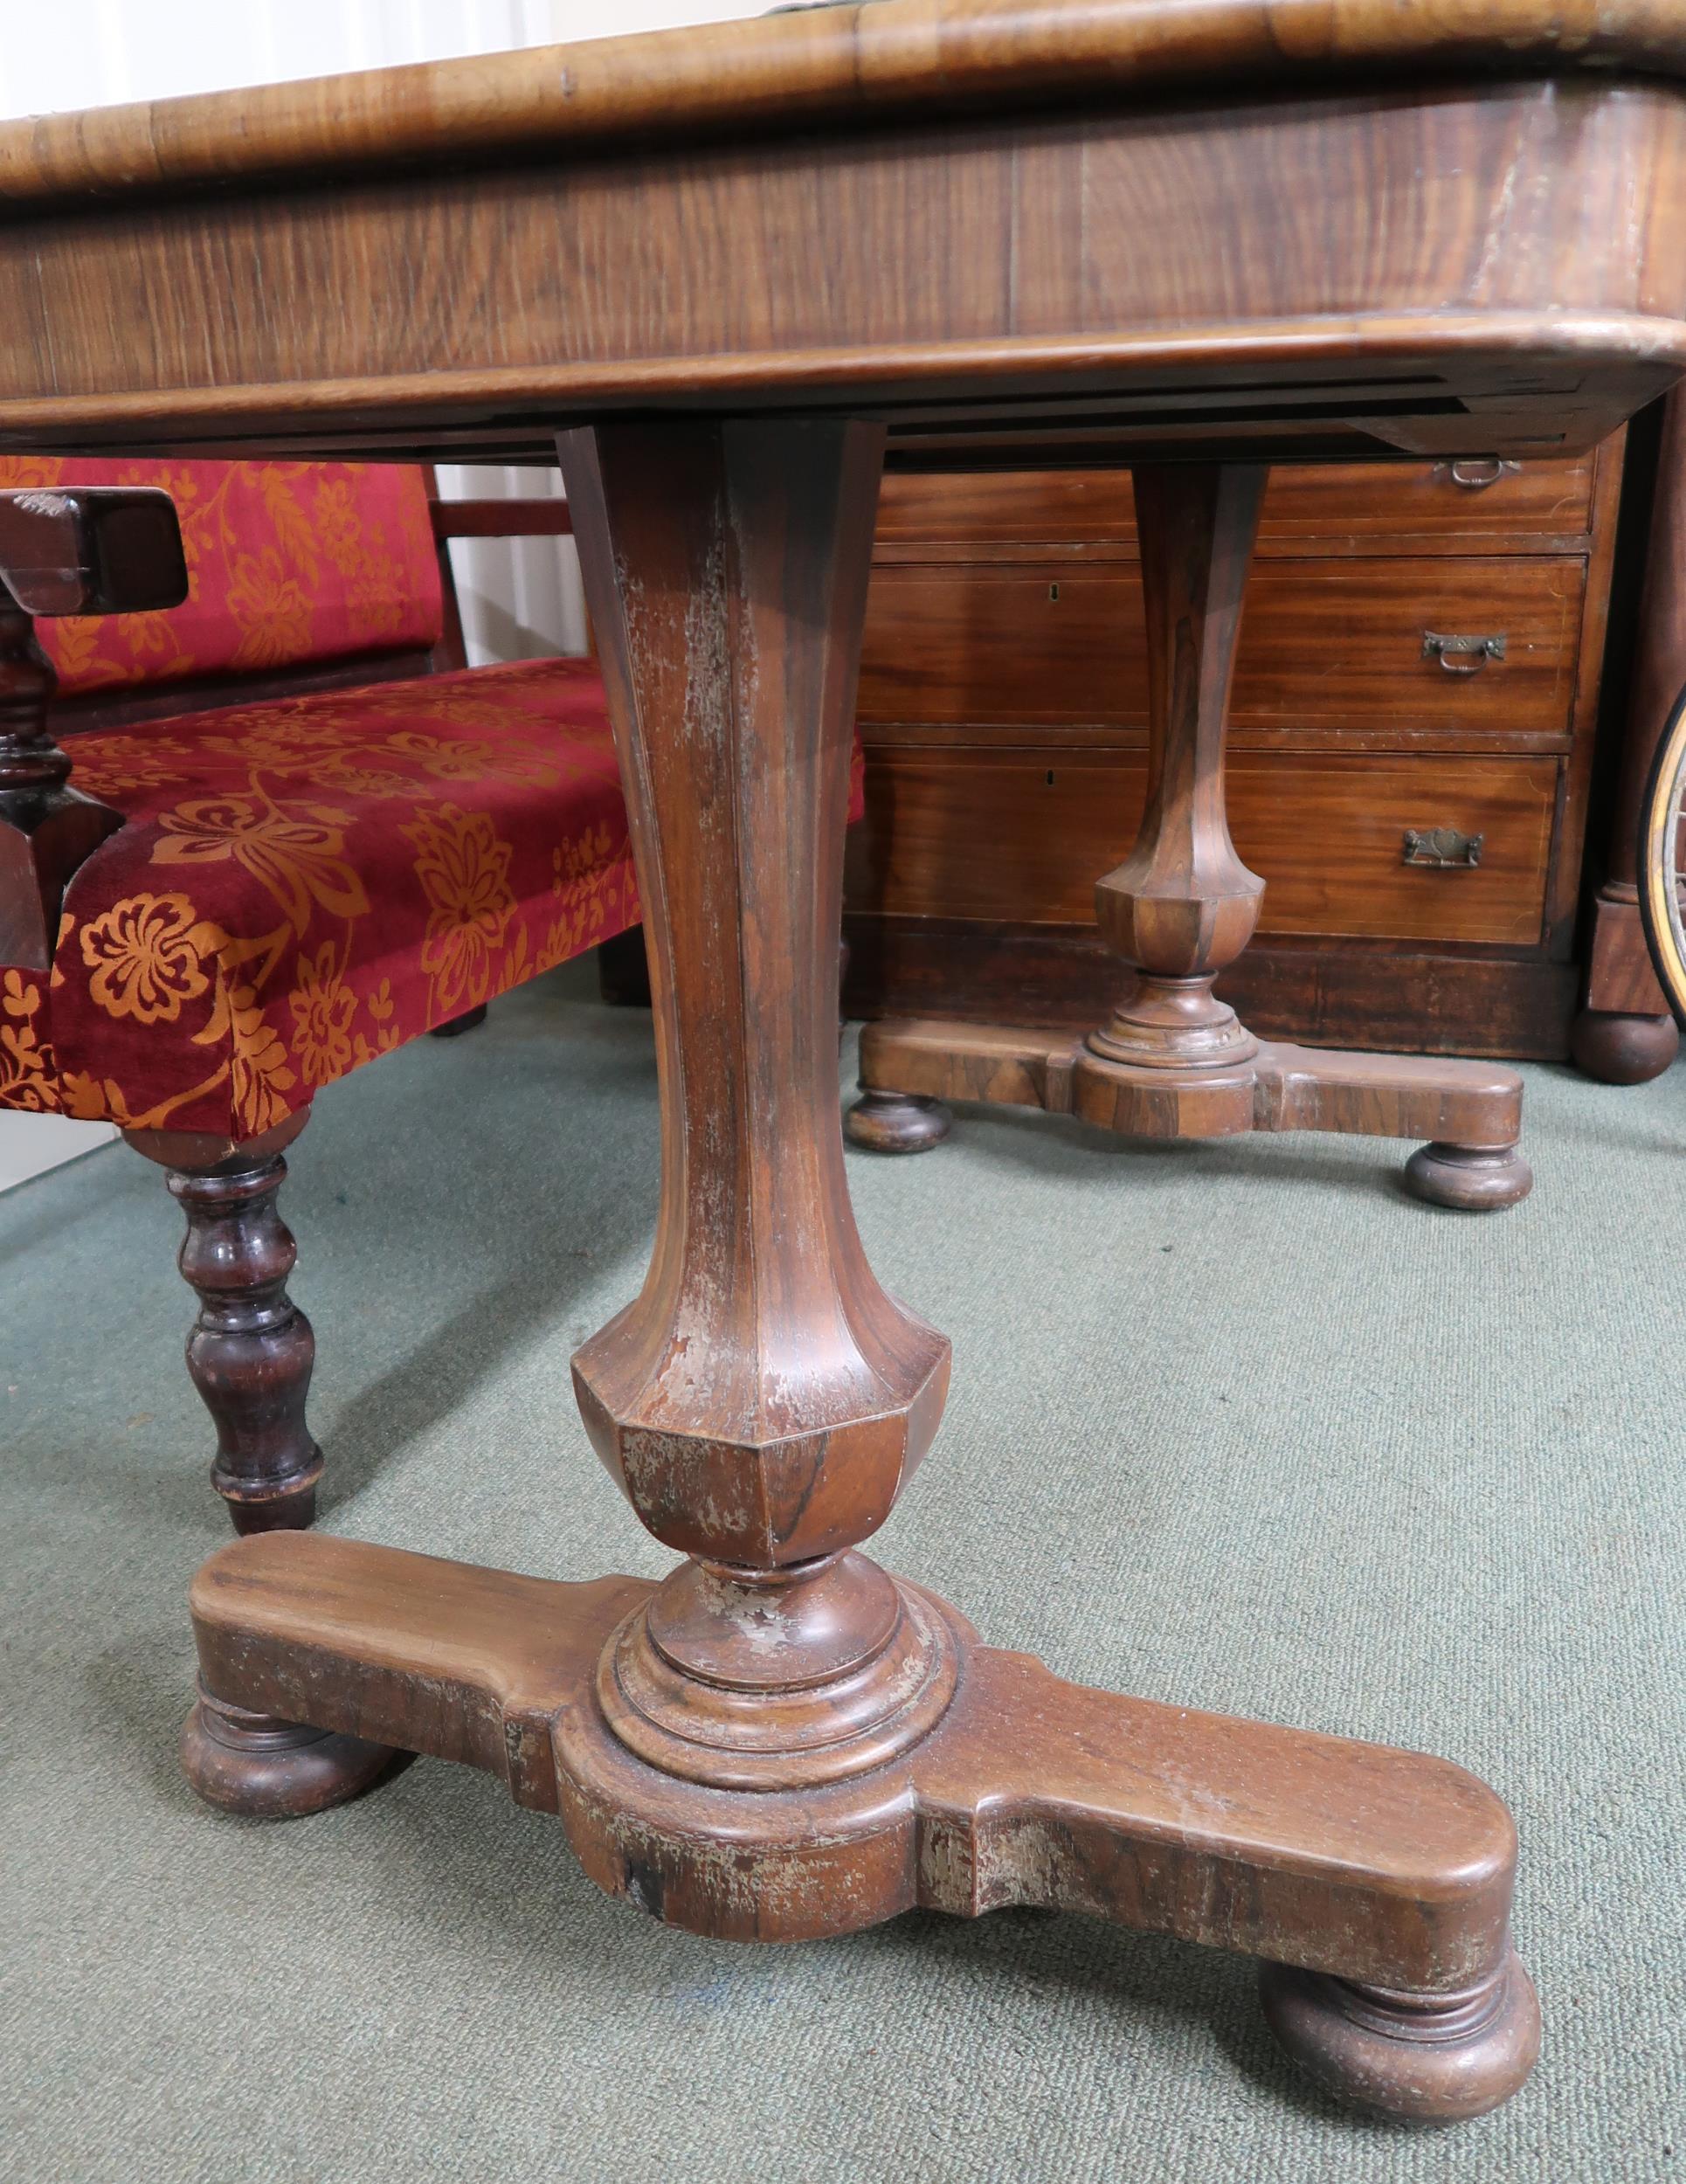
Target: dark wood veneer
781,1739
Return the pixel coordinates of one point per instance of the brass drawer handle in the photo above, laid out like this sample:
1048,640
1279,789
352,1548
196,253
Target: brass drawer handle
1475,477
1441,846
1462,655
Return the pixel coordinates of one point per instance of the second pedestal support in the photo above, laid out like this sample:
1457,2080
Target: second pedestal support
1174,1060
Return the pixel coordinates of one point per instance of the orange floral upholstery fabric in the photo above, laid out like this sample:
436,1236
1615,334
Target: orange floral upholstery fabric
287,563
303,884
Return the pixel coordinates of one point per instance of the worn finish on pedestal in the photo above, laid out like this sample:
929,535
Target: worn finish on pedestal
762,1402
1382,1877
781,1740
1352,228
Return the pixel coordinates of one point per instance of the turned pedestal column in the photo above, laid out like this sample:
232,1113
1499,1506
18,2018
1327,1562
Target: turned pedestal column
781,1740
1173,1060
1182,906
762,1402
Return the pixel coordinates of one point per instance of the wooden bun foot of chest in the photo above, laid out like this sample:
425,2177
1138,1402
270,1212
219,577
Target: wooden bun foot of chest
1470,1113
879,1759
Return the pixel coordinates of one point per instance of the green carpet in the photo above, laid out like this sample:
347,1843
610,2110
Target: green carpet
1239,1426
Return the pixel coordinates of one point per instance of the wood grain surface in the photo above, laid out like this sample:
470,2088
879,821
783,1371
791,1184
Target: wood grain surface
1325,833
1188,278
1378,1864
1329,644
1471,507
792,70
984,230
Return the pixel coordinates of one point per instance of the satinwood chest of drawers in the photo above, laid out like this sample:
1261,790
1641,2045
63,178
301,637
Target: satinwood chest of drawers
1411,747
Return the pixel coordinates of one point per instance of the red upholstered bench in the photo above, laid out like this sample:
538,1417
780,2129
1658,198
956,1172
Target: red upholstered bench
228,910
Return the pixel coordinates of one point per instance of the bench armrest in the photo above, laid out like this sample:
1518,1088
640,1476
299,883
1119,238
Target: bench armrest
81,549
91,549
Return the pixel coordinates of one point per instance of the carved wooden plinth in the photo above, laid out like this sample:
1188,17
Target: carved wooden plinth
781,1740
1383,1877
1470,1111
1174,1060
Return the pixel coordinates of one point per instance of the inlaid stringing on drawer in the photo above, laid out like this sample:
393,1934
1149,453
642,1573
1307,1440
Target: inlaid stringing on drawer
1477,646
1349,505
1023,835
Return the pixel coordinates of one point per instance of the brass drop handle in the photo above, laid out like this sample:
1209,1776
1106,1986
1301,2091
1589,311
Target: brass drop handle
1475,477
1441,846
1462,655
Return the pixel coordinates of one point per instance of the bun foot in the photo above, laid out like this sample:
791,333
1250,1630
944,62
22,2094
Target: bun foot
274,1770
1622,1049
1472,1178
1424,2058
898,1121
458,1025
292,1508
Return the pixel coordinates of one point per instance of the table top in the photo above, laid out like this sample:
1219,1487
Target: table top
851,65
1018,230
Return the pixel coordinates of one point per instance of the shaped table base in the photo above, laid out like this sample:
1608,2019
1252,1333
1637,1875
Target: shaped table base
780,1740
1374,1883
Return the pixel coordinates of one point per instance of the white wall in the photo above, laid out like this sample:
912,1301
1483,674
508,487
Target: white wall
99,53
519,599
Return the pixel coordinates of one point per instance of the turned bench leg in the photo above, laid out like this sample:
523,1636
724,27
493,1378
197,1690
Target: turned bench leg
251,1349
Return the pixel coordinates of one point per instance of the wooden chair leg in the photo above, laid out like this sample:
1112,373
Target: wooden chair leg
467,1021
251,1349
624,971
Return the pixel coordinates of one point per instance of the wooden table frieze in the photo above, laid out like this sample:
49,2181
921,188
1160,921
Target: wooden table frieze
735,270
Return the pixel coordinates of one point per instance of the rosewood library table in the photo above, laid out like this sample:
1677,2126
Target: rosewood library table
729,272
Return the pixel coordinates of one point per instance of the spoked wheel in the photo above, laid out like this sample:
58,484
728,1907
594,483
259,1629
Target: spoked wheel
1662,861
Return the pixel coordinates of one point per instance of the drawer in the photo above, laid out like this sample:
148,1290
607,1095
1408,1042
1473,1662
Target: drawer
997,506
1021,837
1004,644
1345,504
1334,644
1427,502
1324,645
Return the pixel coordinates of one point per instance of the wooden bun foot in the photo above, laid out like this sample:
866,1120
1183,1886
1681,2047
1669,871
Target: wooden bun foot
1425,2059
466,1022
1471,1179
274,1770
1622,1049
292,1507
898,1121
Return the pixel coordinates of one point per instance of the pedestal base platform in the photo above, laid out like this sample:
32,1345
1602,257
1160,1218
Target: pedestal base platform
1386,1873
1469,1111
